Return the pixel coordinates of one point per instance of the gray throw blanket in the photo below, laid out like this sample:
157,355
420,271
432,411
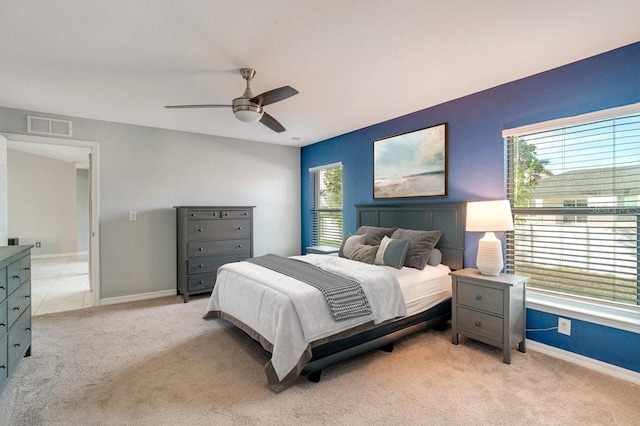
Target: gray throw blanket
344,295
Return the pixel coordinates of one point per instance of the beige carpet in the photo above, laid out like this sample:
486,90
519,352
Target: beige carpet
159,363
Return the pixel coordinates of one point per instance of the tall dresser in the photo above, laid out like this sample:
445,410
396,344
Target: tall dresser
15,309
209,237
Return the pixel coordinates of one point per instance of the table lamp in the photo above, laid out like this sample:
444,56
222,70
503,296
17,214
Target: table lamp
489,217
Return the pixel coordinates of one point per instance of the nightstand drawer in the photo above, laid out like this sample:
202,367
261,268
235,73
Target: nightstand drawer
479,297
484,325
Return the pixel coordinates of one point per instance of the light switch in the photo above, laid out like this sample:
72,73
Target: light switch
133,215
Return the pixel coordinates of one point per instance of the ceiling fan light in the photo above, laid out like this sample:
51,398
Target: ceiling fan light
248,115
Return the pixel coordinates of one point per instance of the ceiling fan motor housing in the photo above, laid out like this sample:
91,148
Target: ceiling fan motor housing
247,111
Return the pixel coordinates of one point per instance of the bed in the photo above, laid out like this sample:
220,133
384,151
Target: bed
295,326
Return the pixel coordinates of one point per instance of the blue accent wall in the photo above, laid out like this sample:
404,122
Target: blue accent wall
476,156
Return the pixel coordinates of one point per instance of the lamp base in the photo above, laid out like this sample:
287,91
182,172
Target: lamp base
489,259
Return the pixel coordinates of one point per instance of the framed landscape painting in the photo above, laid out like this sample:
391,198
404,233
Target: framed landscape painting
412,164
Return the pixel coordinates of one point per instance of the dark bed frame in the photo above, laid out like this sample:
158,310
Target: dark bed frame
448,217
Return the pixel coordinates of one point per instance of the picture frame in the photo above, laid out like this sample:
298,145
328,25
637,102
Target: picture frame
411,164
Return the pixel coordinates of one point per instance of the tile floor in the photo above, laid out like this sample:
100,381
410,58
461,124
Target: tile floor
60,284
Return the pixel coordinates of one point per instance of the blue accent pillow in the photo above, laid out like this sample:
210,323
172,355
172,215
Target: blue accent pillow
392,252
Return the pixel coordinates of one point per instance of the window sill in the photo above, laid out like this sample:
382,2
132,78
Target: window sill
609,316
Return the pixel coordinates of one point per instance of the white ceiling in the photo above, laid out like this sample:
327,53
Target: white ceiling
355,63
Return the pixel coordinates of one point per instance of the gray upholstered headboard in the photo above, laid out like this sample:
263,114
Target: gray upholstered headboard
448,217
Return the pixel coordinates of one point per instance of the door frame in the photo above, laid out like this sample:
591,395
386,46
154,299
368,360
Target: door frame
94,234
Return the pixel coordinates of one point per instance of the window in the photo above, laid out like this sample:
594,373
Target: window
574,185
326,208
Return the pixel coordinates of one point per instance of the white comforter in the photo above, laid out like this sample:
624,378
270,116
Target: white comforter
290,314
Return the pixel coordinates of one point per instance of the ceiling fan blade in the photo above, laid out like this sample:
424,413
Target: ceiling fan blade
272,123
275,95
196,106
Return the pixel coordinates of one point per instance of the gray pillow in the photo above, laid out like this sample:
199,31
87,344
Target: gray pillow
421,244
349,243
392,252
364,253
374,234
436,257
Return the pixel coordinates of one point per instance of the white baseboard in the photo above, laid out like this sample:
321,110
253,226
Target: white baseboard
136,297
583,361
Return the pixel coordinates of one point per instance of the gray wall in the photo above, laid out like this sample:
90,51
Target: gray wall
151,170
42,202
82,209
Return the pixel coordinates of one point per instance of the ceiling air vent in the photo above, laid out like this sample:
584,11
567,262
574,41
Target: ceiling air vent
48,126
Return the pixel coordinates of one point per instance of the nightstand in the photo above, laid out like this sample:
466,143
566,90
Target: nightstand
490,309
322,250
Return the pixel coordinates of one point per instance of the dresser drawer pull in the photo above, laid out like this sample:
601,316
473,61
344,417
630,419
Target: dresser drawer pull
1,287
239,245
201,266
28,296
239,228
28,329
27,268
201,282
478,324
200,229
17,345
193,215
17,308
16,276
226,214
201,249
478,297
2,324
3,366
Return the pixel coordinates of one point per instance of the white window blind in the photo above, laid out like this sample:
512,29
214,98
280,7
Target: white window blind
326,208
575,191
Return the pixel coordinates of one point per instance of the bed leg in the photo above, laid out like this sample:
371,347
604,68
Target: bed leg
387,348
315,376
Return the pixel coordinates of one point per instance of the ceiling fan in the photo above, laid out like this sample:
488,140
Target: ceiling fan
249,108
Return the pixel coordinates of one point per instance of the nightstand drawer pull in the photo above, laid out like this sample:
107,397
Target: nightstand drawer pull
478,324
201,266
17,345
239,228
478,297
200,229
201,249
239,245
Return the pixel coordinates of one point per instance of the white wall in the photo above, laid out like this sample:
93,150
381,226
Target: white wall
42,202
151,170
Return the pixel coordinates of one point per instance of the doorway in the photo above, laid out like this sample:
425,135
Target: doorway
58,272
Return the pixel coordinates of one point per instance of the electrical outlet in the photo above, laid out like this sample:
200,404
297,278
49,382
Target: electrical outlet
38,245
564,326
133,215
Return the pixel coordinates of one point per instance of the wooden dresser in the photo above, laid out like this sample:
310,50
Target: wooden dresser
209,237
15,308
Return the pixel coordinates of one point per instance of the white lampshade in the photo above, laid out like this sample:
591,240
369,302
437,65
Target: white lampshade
489,217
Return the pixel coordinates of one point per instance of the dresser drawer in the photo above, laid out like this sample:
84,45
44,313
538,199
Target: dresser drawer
4,322
218,248
203,214
4,362
13,277
203,265
480,324
18,302
237,214
3,284
480,297
25,269
19,339
198,230
201,281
